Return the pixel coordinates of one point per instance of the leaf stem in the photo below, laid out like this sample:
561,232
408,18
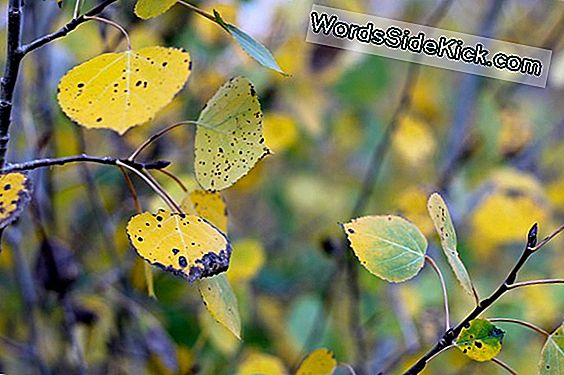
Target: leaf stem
437,270
159,134
76,11
149,180
114,24
504,365
199,11
522,323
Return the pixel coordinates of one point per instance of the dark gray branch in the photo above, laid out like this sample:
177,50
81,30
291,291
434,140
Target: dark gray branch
106,160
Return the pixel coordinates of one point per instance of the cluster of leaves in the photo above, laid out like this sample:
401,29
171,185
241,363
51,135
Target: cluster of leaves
394,249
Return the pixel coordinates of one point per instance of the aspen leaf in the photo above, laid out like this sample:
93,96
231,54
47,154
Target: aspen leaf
15,194
260,363
186,245
120,90
252,47
440,216
229,139
221,302
209,205
152,8
552,354
481,340
390,247
319,362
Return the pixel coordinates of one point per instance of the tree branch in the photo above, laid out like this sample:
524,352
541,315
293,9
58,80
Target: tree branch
450,335
15,52
8,83
106,160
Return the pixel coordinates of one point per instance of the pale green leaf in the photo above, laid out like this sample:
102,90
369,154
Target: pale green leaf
552,355
221,302
390,247
441,218
251,46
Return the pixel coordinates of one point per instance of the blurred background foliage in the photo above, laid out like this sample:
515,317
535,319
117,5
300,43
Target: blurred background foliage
322,122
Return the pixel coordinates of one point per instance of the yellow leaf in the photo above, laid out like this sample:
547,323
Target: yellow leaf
221,302
15,190
185,245
413,141
229,139
318,362
112,90
246,261
480,340
260,363
389,247
208,205
151,8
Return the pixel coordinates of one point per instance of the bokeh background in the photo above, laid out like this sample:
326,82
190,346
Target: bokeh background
494,149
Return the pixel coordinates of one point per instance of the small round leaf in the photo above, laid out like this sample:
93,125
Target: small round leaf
481,340
390,247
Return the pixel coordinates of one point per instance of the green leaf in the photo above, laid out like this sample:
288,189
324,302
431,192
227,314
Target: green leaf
481,340
251,46
552,355
440,216
221,302
390,247
152,8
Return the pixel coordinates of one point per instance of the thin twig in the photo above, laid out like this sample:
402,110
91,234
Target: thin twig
106,160
437,270
63,31
504,365
548,238
522,323
535,282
